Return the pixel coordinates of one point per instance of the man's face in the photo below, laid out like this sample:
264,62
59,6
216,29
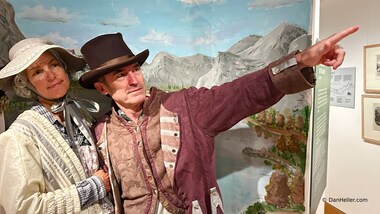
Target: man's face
126,86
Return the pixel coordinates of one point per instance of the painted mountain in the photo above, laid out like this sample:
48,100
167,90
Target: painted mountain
169,70
247,55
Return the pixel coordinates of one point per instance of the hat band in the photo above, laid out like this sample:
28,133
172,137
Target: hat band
115,61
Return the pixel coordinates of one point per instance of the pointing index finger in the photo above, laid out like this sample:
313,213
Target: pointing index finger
335,38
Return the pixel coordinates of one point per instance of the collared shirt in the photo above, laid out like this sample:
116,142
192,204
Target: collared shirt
92,189
123,115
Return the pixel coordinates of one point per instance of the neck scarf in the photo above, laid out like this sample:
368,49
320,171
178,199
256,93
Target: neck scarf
77,111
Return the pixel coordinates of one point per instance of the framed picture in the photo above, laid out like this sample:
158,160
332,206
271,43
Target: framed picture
371,118
372,68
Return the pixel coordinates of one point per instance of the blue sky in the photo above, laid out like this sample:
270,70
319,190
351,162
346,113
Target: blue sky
179,27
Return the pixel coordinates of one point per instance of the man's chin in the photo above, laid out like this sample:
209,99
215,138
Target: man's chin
137,99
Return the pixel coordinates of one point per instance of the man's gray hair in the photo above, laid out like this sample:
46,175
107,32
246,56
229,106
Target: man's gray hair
21,84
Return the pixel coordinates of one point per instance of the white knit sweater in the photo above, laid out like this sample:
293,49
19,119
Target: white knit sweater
38,169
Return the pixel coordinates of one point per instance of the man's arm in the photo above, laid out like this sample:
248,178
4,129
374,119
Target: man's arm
294,72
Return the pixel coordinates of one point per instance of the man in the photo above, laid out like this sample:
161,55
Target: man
160,148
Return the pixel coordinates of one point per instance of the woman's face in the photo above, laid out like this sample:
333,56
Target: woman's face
48,76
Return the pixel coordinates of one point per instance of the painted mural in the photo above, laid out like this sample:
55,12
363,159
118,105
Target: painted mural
260,162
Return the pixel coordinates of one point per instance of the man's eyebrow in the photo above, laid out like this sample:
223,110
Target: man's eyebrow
117,71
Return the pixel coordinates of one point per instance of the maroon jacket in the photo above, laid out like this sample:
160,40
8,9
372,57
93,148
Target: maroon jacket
188,182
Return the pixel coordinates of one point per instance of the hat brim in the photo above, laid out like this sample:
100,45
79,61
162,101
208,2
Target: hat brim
27,57
88,79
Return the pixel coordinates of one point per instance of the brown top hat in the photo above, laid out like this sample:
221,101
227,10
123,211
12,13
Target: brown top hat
107,53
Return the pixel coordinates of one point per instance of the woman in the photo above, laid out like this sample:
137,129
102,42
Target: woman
48,161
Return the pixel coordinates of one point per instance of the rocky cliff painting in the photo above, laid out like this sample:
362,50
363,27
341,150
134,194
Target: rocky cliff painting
260,162
9,31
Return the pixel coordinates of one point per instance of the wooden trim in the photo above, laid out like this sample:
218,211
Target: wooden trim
330,209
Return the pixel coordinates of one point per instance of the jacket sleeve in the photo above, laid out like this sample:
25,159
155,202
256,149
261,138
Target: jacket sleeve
22,184
288,78
221,107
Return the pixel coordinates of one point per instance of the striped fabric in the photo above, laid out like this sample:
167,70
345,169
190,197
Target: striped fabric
170,139
60,163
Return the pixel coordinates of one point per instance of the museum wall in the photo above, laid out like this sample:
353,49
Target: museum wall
353,170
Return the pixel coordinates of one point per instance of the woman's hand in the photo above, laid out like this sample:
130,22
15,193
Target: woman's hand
105,178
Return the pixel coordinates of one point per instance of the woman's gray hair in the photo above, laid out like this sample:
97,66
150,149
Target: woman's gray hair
21,84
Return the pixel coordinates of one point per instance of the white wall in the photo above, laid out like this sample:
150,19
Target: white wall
353,165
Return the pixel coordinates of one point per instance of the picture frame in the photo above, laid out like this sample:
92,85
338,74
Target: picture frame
372,68
371,118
